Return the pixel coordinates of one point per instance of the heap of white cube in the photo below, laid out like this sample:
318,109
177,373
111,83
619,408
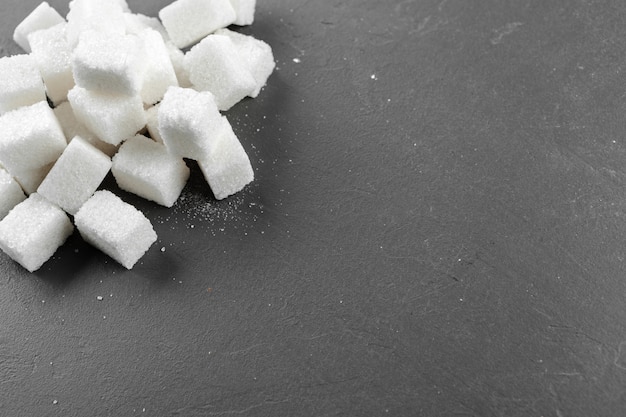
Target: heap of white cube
105,90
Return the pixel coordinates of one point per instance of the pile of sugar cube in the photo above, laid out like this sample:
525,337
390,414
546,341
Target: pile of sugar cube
107,90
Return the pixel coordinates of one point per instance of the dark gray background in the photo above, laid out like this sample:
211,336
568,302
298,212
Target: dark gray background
437,228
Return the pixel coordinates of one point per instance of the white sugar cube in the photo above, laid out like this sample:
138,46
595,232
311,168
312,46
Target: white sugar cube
189,122
20,82
42,17
152,123
244,9
215,65
109,63
30,137
75,176
30,179
33,231
11,193
227,167
115,227
159,74
257,55
52,54
72,128
97,15
137,22
112,118
178,62
188,21
146,168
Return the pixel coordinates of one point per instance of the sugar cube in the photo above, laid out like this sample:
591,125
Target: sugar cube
52,55
244,9
30,179
159,74
20,83
72,128
152,123
178,62
11,193
256,54
33,231
97,15
75,176
227,167
188,21
115,227
42,17
109,63
146,168
112,118
189,122
30,137
137,22
215,65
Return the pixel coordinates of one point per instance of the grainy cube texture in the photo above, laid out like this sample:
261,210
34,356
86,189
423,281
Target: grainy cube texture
72,128
146,168
30,137
42,17
75,176
30,179
112,118
33,231
20,83
189,122
244,9
256,54
115,227
52,54
101,16
188,21
227,167
152,123
109,63
159,74
11,193
215,65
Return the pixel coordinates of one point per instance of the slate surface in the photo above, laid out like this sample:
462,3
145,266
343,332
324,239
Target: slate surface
437,228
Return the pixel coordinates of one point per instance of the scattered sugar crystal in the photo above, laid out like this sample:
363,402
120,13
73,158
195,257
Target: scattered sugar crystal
33,231
75,176
227,167
188,21
11,193
30,137
189,121
244,9
146,168
72,128
159,74
110,63
115,227
215,65
256,54
98,15
112,118
42,17
52,55
21,83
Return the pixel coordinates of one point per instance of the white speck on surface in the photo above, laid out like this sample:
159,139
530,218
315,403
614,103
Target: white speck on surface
374,77
163,249
55,402
99,298
297,60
